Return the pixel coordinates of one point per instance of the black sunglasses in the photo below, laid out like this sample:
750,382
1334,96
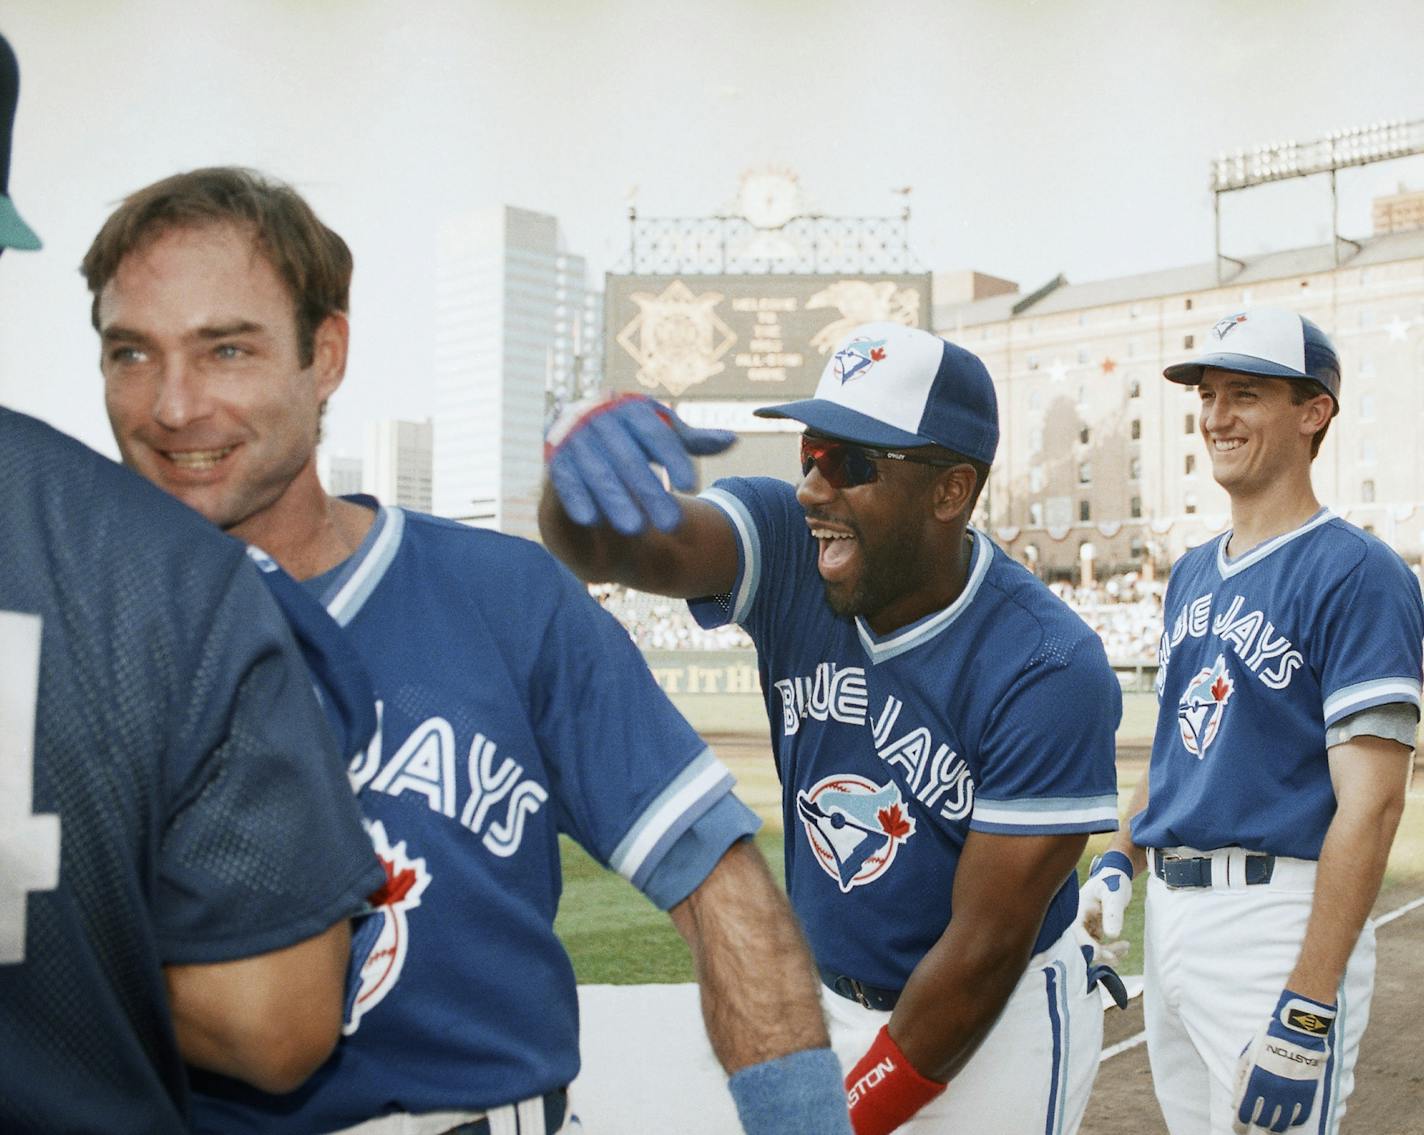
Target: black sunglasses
845,464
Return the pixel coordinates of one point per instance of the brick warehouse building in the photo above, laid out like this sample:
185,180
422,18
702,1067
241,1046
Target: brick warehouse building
1098,449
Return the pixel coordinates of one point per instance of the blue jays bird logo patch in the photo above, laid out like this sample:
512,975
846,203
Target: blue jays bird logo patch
1225,326
856,357
381,940
854,827
1202,707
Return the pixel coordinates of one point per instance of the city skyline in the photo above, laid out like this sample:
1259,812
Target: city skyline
1036,139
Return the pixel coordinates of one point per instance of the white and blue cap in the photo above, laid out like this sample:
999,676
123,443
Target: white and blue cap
1269,342
897,387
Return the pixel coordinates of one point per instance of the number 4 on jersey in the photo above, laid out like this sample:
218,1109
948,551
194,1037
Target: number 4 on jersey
29,844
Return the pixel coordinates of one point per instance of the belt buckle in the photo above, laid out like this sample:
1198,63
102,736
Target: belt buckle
861,997
1167,860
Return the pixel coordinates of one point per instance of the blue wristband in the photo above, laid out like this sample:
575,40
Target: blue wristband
799,1094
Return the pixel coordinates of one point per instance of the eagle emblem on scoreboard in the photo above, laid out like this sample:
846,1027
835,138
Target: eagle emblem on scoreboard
676,338
863,301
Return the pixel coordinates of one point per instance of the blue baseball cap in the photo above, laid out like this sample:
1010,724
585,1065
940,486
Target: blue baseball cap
897,387
14,233
1269,342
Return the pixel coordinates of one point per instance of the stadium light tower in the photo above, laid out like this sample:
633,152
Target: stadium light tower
1280,161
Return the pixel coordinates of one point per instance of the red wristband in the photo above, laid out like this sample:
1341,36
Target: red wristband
884,1089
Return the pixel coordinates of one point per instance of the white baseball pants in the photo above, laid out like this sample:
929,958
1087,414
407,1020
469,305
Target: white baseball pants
1032,1074
1216,961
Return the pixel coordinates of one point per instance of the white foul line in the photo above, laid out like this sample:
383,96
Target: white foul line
1405,909
1133,1041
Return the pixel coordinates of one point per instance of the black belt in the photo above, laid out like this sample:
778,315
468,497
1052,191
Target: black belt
555,1107
1195,871
868,996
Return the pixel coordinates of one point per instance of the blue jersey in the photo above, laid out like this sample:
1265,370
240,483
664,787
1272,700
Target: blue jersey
1259,655
996,714
338,675
512,708
200,807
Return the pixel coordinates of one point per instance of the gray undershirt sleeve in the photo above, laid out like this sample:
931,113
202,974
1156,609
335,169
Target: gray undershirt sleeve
1394,721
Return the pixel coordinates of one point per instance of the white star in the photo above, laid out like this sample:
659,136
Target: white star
1057,372
1398,329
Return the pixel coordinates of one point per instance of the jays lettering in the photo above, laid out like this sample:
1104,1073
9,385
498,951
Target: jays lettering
487,793
932,770
1271,657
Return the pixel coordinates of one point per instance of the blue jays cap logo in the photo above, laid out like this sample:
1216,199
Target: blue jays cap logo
854,827
1230,323
381,939
857,356
1202,707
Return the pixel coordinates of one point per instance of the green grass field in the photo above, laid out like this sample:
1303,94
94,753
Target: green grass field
615,936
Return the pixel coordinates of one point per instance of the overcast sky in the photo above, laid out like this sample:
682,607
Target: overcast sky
1038,138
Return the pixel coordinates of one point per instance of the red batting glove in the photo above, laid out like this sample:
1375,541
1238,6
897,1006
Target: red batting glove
883,1089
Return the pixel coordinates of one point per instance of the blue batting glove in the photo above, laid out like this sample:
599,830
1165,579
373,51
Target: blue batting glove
1280,1070
1103,899
599,451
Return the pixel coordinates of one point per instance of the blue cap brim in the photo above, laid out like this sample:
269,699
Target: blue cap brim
837,421
14,233
1189,374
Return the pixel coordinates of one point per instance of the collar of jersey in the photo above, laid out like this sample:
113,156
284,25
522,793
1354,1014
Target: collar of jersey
1228,567
921,631
354,581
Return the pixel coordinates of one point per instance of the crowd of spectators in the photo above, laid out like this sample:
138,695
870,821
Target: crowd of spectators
657,623
1125,610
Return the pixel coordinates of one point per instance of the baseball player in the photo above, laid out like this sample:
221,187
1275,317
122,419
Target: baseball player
942,724
180,851
512,709
1289,674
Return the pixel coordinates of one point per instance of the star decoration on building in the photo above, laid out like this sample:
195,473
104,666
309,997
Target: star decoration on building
1057,372
1398,329
1109,365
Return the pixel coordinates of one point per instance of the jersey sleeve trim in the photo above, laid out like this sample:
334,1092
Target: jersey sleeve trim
1363,695
745,528
693,855
691,793
1045,815
350,594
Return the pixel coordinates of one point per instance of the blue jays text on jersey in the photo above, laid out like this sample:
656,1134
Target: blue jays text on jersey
1260,655
996,714
1250,634
491,798
939,778
512,709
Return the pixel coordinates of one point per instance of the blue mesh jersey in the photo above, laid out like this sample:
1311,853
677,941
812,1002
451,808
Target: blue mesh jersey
513,708
996,714
200,806
1259,655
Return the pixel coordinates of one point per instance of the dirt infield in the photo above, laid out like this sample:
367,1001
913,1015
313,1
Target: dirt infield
1389,1082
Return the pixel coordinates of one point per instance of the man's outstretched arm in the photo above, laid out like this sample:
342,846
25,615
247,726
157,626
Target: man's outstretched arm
761,999
608,516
